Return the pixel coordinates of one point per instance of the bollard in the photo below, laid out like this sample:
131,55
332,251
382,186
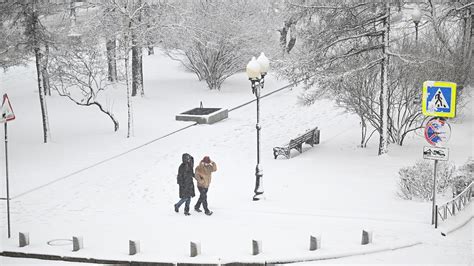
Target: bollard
133,247
77,243
195,249
366,237
24,239
256,247
314,242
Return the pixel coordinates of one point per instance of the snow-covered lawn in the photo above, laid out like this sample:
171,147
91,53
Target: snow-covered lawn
77,185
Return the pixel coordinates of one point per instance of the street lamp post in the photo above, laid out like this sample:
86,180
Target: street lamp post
256,71
416,16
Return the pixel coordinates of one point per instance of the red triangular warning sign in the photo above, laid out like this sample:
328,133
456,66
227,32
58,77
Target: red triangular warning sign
6,110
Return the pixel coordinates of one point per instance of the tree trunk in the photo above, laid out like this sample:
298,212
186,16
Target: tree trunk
383,143
137,72
111,59
292,41
151,50
283,34
44,111
142,91
72,9
363,126
466,59
109,114
129,98
127,49
38,58
137,62
44,71
286,45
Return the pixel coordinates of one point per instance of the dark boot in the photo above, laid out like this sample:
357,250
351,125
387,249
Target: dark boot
186,206
176,208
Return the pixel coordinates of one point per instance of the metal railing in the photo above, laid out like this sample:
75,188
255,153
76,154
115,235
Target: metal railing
449,208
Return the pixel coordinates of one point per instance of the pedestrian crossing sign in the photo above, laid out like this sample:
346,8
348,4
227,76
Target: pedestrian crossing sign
439,99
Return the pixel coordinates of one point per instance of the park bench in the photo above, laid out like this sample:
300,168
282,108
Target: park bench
310,137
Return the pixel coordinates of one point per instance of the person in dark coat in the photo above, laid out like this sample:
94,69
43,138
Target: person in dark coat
185,182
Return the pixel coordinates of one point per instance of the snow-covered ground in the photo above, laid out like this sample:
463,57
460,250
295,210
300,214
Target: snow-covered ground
77,185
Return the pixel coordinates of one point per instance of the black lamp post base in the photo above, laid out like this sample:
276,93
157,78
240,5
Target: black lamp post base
258,183
258,196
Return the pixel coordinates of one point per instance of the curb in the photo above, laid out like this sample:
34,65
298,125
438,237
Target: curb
344,255
229,263
457,227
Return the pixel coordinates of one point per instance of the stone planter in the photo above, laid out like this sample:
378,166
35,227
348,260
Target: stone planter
203,115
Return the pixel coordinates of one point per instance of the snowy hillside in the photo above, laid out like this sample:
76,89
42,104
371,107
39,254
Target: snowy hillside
92,182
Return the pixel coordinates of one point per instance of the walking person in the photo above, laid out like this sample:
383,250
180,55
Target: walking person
203,176
185,182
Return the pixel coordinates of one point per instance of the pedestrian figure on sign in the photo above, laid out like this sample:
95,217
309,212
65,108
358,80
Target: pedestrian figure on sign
203,176
185,182
439,101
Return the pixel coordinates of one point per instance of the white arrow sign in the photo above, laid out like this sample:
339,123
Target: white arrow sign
435,153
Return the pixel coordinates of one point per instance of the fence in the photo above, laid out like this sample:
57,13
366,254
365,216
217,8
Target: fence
456,204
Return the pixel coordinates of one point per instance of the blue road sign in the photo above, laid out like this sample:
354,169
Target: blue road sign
439,99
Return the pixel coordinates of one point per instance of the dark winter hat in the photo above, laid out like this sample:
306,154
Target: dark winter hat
206,159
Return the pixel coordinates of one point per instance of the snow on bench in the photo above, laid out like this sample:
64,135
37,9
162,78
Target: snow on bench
310,137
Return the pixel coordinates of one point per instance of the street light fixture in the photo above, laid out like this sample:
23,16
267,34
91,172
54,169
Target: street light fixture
416,16
256,71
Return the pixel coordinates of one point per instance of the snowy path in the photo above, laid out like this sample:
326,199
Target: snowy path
117,195
334,189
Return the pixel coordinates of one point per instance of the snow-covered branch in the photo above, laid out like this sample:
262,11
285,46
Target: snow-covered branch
334,7
365,34
416,60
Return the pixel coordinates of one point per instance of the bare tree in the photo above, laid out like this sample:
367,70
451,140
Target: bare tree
338,39
13,50
30,17
215,39
80,74
124,15
453,28
36,37
335,33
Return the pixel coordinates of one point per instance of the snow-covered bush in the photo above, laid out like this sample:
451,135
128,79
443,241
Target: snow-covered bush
416,182
464,177
216,39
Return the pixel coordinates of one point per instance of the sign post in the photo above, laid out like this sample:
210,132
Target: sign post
7,115
433,206
6,176
439,101
436,133
436,154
